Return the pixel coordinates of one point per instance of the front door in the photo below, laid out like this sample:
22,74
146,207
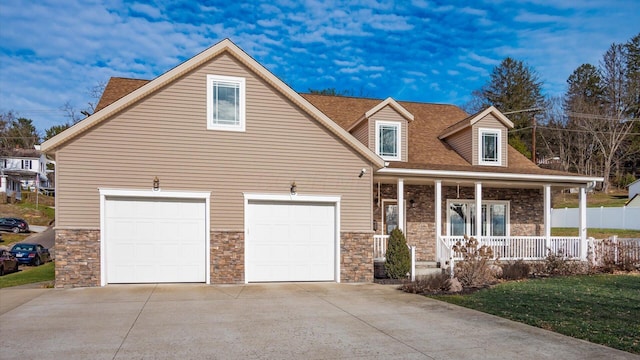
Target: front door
390,216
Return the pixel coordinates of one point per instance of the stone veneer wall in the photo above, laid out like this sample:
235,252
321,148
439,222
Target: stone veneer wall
356,257
526,212
227,257
77,255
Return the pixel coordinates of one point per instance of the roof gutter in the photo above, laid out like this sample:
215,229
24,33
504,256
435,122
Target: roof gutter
590,180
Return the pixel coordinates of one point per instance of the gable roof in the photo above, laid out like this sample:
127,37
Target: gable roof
116,88
386,102
143,90
472,119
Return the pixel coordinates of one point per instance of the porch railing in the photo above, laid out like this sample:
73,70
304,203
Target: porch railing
518,247
380,246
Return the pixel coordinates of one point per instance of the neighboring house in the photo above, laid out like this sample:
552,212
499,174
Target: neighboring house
22,168
282,186
634,201
634,189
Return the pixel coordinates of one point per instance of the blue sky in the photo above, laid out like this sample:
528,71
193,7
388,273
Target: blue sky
52,52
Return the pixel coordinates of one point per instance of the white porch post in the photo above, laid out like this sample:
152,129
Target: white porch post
583,223
438,196
401,205
478,196
547,217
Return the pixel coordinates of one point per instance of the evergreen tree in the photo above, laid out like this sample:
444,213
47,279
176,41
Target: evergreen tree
398,256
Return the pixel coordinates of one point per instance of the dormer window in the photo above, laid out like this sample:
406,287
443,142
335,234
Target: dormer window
388,140
489,151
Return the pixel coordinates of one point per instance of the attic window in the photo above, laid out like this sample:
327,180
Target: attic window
388,140
490,151
225,103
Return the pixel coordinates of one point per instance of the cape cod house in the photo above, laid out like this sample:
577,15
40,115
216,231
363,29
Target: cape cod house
218,172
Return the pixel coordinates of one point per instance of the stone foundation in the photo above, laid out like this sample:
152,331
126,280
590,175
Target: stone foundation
356,257
227,257
77,257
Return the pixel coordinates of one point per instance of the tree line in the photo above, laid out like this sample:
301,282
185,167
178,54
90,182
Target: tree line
592,129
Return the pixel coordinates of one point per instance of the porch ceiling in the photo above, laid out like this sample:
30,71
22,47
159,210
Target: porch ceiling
527,184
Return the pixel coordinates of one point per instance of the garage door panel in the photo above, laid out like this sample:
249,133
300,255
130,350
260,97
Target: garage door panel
290,241
155,240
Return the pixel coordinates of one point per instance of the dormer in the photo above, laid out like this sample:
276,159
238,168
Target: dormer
385,130
480,138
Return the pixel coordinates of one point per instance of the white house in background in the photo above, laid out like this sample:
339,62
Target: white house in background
23,168
634,189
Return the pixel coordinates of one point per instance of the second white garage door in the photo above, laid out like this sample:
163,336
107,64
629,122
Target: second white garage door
151,240
289,241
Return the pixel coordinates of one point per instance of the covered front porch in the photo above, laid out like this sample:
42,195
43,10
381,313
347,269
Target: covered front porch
436,212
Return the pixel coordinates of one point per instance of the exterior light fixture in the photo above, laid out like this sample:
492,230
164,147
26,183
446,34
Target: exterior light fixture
294,188
412,203
362,172
156,184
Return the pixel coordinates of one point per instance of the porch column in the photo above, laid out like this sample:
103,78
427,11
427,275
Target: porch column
478,196
401,205
583,223
547,216
438,196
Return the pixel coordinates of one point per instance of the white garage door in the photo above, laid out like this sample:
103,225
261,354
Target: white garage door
150,240
290,241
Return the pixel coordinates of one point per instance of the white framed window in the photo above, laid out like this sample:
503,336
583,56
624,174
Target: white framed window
388,140
461,218
490,147
225,103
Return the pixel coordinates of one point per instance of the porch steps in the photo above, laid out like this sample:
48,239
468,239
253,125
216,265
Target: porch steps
427,268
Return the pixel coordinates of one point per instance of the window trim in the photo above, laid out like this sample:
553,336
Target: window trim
241,82
471,203
398,127
498,133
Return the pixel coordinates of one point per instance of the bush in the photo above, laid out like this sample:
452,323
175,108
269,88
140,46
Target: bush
515,270
475,268
433,283
398,256
558,264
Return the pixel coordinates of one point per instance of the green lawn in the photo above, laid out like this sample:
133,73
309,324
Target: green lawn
596,199
29,275
596,233
603,309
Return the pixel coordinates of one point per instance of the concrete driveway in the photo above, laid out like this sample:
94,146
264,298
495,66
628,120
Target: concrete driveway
265,321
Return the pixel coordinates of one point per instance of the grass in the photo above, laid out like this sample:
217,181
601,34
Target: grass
596,199
603,309
597,233
29,275
8,239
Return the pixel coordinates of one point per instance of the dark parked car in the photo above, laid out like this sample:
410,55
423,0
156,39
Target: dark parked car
31,254
8,262
14,224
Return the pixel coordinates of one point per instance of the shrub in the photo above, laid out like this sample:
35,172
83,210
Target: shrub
475,268
433,283
515,270
398,256
558,264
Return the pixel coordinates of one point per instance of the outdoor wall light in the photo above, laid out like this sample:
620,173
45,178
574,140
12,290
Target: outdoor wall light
294,188
156,184
412,203
362,172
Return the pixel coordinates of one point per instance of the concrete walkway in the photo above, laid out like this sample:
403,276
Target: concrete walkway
265,321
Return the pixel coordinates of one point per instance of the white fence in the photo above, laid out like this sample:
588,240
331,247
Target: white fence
598,218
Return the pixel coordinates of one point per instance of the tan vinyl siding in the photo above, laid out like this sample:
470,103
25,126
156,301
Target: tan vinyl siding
165,135
490,122
389,114
361,132
462,143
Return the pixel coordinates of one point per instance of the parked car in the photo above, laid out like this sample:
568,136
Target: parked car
14,224
8,262
31,254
